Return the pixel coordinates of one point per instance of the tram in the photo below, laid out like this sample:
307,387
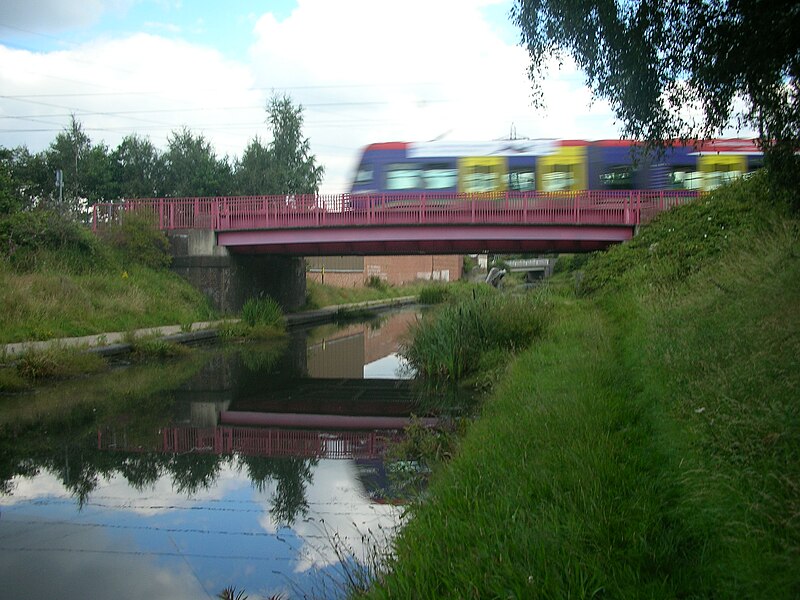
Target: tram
545,165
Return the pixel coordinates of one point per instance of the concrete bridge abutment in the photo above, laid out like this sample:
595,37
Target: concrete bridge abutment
229,280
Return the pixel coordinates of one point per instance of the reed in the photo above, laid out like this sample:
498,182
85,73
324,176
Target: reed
449,343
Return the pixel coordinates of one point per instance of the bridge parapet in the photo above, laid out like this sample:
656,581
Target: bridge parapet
624,208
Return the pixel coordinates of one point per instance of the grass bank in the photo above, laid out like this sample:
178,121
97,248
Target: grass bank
57,279
321,296
649,444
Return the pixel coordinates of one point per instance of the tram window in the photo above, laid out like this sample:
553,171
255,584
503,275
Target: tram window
686,179
522,180
403,177
364,174
720,175
439,177
479,178
618,178
560,177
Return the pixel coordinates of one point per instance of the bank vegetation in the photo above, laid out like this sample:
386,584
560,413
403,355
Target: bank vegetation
647,444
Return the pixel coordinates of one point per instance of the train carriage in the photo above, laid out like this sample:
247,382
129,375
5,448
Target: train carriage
449,168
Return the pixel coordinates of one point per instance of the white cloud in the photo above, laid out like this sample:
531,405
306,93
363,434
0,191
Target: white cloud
364,71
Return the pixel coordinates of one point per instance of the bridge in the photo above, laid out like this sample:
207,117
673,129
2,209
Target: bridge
380,224
234,248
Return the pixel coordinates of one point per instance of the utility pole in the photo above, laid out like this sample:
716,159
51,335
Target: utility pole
60,185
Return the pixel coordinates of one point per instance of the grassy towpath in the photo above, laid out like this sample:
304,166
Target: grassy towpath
648,445
559,489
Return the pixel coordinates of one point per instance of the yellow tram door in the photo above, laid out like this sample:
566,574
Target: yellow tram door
719,169
563,170
482,174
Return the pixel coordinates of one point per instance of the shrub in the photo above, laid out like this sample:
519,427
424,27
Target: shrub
33,239
138,240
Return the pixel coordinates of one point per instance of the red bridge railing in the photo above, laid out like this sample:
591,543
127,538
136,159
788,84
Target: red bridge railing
624,208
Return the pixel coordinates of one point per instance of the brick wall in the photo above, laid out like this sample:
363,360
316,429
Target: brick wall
395,270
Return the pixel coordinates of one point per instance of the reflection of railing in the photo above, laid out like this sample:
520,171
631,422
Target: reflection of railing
264,442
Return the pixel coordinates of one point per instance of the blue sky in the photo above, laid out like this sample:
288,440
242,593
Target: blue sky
364,71
226,26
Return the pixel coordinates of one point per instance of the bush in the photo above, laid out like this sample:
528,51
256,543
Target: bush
31,240
138,240
157,349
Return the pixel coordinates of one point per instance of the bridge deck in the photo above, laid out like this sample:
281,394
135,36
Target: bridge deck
408,224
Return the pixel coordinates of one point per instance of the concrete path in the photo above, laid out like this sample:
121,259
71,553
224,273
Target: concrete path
115,342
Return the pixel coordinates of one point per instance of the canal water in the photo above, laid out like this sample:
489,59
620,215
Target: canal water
257,466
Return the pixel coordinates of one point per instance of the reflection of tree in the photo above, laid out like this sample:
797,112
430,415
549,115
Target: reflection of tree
291,476
194,472
142,469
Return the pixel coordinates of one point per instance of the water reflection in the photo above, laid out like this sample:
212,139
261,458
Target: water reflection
130,485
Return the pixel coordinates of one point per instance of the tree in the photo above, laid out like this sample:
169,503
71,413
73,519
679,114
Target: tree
10,201
253,170
292,167
97,182
138,168
673,69
68,153
192,168
25,180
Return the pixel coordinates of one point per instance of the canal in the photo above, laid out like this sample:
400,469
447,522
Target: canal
259,466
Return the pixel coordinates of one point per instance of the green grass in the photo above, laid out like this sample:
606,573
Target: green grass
648,446
57,279
320,296
49,304
451,342
262,311
36,366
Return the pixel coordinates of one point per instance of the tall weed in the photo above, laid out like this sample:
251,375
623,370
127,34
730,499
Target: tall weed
448,343
262,312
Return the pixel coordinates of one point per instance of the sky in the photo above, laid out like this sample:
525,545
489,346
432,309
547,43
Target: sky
363,71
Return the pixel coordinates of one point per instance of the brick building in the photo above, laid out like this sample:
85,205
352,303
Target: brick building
352,271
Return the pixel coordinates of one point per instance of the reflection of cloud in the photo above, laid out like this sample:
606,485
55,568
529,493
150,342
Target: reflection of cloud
337,504
153,499
392,366
27,488
227,480
73,562
160,539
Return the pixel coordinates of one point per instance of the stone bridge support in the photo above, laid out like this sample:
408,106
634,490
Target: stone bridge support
229,280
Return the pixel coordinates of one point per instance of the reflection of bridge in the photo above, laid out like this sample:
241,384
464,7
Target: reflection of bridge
409,224
333,396
262,442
